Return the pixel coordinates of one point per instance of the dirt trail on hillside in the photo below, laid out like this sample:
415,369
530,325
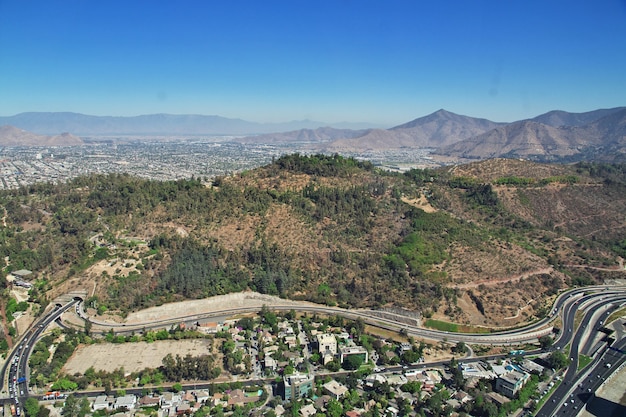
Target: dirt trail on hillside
497,281
618,268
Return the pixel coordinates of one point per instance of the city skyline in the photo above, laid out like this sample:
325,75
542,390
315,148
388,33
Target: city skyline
330,61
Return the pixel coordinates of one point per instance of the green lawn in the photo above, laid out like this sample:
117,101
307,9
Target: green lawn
583,361
441,325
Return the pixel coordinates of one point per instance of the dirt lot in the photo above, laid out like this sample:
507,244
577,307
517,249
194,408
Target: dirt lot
132,356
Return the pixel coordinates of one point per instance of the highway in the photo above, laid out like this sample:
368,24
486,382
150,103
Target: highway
575,390
17,361
567,301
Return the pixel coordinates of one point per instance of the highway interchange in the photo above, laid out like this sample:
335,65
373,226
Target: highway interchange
17,361
578,333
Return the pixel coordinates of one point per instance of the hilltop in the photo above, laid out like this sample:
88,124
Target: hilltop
12,136
485,243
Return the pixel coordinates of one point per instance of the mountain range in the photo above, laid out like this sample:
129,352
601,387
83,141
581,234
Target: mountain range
561,137
553,136
47,123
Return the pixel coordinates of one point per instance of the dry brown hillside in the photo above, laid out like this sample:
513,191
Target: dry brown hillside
497,240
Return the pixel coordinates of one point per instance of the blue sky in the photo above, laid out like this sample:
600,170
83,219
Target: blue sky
384,62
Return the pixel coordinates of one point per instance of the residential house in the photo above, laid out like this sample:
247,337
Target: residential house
170,400
209,327
308,411
101,403
497,399
149,401
405,347
238,397
218,399
320,402
127,401
335,389
270,363
327,346
189,397
462,397
202,396
396,380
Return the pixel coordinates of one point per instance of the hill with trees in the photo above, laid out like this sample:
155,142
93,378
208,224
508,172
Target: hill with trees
486,243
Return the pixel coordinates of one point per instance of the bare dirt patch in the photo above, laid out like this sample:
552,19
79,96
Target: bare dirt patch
207,305
421,203
132,357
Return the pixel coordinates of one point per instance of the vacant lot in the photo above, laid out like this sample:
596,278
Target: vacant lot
132,356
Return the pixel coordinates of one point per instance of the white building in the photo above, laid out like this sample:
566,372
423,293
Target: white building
127,401
327,345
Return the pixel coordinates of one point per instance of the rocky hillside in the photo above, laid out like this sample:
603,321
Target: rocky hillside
12,136
435,130
484,244
603,138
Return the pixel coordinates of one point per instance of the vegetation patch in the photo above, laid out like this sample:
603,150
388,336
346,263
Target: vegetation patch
583,361
442,325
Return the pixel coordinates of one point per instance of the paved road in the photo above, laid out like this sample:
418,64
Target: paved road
569,301
578,388
17,361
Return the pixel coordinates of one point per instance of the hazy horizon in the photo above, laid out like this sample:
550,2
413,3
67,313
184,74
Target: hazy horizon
328,61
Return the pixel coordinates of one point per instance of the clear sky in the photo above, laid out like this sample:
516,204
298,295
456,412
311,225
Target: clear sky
384,61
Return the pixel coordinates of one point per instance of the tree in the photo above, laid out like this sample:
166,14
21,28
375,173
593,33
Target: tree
43,412
545,342
460,347
557,360
71,407
334,408
353,362
31,407
177,387
333,366
269,317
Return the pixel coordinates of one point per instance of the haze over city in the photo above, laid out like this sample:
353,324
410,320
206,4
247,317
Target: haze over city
360,61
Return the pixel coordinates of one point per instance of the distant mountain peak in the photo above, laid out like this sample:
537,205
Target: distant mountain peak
569,140
13,136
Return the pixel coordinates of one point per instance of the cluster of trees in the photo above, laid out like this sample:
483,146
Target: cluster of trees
422,176
613,174
108,380
45,369
33,409
12,306
524,181
189,368
353,205
196,271
322,165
